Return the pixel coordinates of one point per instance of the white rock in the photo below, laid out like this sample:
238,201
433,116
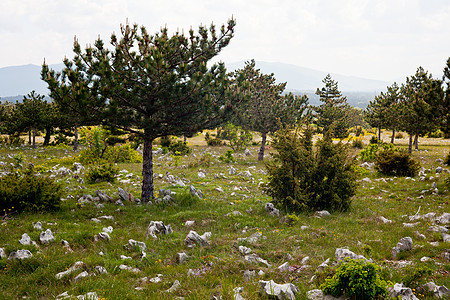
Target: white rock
20,254
249,275
201,175
439,291
132,243
46,237
219,189
322,213
175,286
156,279
130,269
102,236
237,295
124,257
366,179
37,226
445,237
253,258
2,253
248,174
244,250
80,276
305,260
342,253
88,296
399,290
443,219
284,267
272,210
182,257
247,152
384,220
281,291
101,270
232,171
194,238
189,223
25,240
75,267
108,229
158,227
405,244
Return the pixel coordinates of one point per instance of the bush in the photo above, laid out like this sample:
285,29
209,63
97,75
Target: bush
391,162
447,159
122,154
436,134
228,157
204,161
213,141
106,172
301,180
28,192
179,148
399,135
356,279
238,138
373,140
357,144
370,152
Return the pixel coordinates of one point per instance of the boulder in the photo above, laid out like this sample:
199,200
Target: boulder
102,236
20,254
399,290
132,243
281,291
342,253
405,244
103,196
271,210
2,253
322,213
157,227
46,236
25,240
193,238
181,257
438,291
255,259
124,195
75,267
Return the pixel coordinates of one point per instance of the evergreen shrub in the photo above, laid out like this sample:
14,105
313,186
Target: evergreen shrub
398,163
26,191
356,279
300,179
98,173
179,148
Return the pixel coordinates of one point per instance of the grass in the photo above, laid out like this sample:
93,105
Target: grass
220,266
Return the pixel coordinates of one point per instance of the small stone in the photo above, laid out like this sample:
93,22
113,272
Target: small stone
189,223
25,240
201,175
281,291
194,238
130,269
322,213
272,210
219,189
37,226
124,195
182,257
247,152
102,236
175,286
232,171
80,276
156,279
20,254
384,220
305,260
2,253
132,243
101,270
75,267
46,237
445,237
244,250
108,229
158,227
405,244
253,258
399,290
249,275
284,267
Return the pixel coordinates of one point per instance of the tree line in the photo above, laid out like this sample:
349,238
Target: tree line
158,85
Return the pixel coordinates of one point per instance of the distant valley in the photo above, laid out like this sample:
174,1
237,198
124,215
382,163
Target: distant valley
17,81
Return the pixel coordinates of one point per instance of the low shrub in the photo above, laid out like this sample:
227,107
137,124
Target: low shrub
357,144
370,152
122,154
203,161
356,279
300,179
26,191
399,135
179,148
228,157
447,159
105,172
436,134
213,141
373,140
391,162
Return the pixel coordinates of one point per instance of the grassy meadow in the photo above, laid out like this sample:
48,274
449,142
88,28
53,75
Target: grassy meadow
218,268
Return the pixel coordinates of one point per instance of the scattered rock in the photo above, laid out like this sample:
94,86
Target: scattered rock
175,286
438,291
37,226
248,174
103,196
405,244
366,179
234,213
284,267
237,293
253,258
75,267
244,250
253,239
46,237
101,270
124,195
249,275
232,171
444,219
399,290
219,189
102,236
20,254
108,229
247,152
445,237
132,243
189,223
182,257
281,291
157,227
439,170
88,296
130,269
323,265
322,213
194,238
201,175
2,253
342,253
272,210
384,220
195,193
25,240
80,276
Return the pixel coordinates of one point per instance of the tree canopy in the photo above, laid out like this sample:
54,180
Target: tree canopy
153,85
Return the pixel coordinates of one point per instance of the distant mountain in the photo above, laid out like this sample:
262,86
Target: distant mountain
17,81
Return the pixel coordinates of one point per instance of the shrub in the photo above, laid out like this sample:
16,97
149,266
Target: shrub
447,159
179,148
398,135
238,138
357,144
301,180
228,157
122,154
359,131
105,172
436,134
204,161
213,141
28,192
373,140
391,162
370,152
356,279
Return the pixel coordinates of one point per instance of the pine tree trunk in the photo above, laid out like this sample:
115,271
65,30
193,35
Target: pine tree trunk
379,133
29,137
263,146
410,143
75,142
48,133
147,169
393,136
416,142
34,138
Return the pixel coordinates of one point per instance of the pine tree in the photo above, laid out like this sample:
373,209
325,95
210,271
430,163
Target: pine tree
445,125
155,85
332,114
267,108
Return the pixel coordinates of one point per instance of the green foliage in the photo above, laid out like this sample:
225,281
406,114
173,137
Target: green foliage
447,159
357,144
391,162
122,154
238,138
436,134
374,140
370,152
398,135
301,180
417,275
26,191
356,279
213,141
105,172
203,161
179,148
228,157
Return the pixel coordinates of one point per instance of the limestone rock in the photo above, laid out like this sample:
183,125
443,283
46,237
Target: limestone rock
46,236
194,238
322,213
284,267
124,195
2,253
405,244
444,219
102,236
189,223
253,239
445,237
108,229
237,293
244,250
272,210
247,152
253,258
438,291
342,253
281,291
25,240
101,270
75,267
20,254
182,257
157,227
175,286
196,193
232,171
37,226
80,276
201,175
103,196
88,296
130,269
399,290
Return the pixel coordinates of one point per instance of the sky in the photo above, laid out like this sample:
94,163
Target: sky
375,39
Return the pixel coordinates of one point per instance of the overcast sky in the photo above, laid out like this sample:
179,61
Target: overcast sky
376,39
